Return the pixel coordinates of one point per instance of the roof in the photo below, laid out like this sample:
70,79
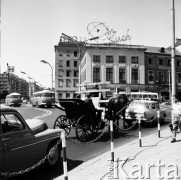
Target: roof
160,50
7,109
15,93
114,45
144,101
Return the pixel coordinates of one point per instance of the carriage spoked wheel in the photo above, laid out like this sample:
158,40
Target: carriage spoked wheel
63,123
84,128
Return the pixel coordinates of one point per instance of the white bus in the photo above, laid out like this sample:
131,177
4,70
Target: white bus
13,99
43,98
142,95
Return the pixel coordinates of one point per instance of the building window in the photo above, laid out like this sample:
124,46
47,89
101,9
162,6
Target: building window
68,83
109,74
122,78
150,60
179,78
75,81
75,64
169,77
60,72
150,76
75,53
134,60
161,77
160,61
96,74
68,73
134,76
60,63
96,59
109,59
60,53
122,59
60,83
67,95
68,53
169,62
68,63
76,73
60,95
178,63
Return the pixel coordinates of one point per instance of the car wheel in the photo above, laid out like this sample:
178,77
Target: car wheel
149,123
53,155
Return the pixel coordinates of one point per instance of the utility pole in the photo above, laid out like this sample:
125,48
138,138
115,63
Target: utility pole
173,50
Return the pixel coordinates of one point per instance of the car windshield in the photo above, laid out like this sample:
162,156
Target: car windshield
48,95
15,96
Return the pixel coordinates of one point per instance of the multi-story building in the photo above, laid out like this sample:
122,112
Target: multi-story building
12,83
66,68
158,71
9,83
121,65
126,67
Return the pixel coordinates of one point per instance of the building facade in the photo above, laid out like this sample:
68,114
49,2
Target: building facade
10,83
158,76
121,65
127,68
67,60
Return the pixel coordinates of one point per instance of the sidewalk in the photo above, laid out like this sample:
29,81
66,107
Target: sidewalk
156,158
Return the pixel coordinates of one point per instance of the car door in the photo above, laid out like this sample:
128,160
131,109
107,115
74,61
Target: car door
150,111
18,142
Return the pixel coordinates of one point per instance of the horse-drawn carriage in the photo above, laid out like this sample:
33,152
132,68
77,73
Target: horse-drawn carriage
88,122
79,115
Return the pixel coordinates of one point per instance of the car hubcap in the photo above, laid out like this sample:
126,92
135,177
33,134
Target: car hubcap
53,156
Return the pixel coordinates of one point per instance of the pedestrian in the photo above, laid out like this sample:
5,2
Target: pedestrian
88,100
176,115
78,96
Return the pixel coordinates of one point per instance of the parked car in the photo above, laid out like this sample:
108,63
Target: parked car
23,143
146,109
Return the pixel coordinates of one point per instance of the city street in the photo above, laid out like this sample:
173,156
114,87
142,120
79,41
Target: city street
77,152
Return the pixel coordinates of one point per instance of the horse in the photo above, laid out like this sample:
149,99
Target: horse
116,107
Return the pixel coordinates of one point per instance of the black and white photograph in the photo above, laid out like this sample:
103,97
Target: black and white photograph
90,89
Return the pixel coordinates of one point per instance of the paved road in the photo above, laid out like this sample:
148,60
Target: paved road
77,153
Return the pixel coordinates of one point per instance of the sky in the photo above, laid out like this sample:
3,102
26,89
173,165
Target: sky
31,28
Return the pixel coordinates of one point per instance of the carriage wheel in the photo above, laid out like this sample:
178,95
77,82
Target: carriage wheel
84,128
63,123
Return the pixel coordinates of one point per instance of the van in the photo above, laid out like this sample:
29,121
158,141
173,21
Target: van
13,99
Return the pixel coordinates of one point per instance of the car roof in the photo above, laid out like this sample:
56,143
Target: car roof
7,109
144,101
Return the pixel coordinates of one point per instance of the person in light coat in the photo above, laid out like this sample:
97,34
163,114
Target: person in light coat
176,114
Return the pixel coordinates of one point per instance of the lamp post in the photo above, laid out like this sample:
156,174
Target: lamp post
45,62
32,85
80,48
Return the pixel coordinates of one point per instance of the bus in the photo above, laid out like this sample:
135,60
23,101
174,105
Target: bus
43,98
13,99
142,95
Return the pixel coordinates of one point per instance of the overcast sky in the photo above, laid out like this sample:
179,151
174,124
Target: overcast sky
31,28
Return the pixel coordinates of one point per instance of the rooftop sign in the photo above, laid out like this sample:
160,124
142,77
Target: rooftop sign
101,30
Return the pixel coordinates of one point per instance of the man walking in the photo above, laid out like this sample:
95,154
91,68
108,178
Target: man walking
176,114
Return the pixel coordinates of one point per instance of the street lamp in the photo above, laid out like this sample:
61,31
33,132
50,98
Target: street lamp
45,62
28,76
32,84
80,48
